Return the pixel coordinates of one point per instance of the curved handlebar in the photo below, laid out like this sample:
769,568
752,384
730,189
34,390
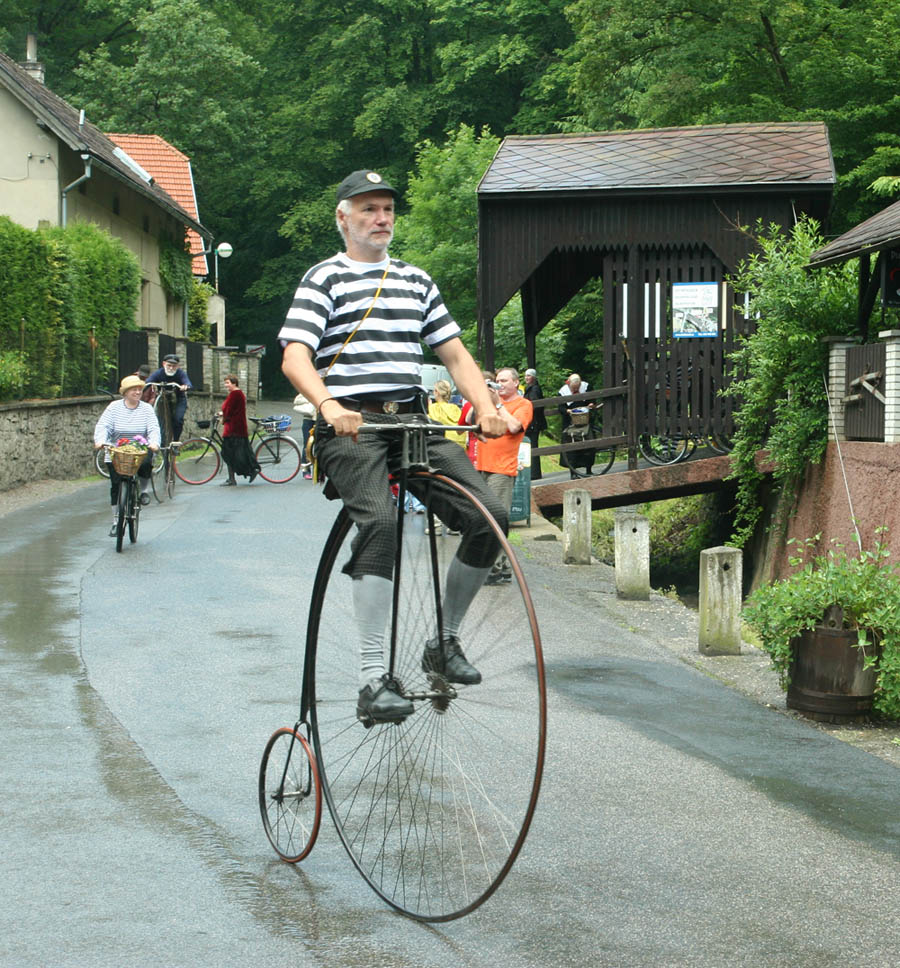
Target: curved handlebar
419,425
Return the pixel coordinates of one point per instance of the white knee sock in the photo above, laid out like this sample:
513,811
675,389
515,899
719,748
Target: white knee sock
371,608
463,583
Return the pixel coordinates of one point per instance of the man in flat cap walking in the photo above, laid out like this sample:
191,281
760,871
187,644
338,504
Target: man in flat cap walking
352,346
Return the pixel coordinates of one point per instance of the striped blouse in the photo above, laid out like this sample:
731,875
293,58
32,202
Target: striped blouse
117,421
384,358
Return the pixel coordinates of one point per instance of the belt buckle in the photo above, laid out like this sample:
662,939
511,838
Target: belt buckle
390,406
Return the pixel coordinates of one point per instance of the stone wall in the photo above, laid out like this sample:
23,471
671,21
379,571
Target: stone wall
54,438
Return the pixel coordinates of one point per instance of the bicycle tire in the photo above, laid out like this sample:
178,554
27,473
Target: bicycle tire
122,508
170,479
721,443
134,519
198,460
279,458
662,450
288,781
101,463
432,811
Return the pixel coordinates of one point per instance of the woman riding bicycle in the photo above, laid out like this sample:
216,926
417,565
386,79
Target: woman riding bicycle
130,418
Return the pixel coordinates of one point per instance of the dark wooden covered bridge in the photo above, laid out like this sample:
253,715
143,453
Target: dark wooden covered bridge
661,217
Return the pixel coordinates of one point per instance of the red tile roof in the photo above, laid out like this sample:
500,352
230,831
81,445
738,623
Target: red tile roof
172,171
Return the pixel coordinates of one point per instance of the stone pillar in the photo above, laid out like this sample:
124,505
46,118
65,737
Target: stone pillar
720,601
577,527
891,385
837,384
632,538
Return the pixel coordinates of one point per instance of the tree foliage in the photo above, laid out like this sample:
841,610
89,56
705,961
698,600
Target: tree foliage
64,296
276,101
783,367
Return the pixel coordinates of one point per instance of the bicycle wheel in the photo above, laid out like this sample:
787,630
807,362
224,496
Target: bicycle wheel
124,503
134,518
170,478
278,458
721,443
290,795
101,463
603,460
663,450
433,811
198,460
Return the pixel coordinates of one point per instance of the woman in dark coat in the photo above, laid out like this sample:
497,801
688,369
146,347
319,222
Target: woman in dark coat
235,443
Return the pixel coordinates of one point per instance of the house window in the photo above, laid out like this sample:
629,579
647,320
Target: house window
147,223
115,204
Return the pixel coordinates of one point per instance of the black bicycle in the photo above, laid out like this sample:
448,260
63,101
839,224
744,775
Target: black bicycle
278,455
128,508
434,810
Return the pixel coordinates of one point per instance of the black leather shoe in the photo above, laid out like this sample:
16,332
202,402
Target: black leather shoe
380,702
252,476
449,663
145,499
228,484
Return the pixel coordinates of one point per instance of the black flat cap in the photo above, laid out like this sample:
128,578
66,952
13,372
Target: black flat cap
358,182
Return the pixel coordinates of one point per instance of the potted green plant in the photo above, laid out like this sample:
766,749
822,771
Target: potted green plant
832,629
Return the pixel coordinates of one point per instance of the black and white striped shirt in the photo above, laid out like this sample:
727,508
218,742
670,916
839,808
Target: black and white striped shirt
384,358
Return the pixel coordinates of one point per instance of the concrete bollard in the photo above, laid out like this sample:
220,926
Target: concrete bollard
720,601
632,556
577,527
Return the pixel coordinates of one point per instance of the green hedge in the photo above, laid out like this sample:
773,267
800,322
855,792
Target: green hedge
64,296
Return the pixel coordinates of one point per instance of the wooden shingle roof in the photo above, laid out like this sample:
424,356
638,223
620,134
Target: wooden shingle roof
64,121
881,231
172,172
737,156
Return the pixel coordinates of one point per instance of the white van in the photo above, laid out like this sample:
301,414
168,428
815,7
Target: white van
431,373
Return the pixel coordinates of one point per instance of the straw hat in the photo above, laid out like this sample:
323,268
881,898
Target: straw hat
130,381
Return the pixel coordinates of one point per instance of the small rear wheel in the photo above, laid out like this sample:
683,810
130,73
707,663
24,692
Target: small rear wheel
290,797
278,458
197,461
170,477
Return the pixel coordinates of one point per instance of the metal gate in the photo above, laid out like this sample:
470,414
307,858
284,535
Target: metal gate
864,393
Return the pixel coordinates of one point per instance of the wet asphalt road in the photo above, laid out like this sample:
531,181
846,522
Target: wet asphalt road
680,824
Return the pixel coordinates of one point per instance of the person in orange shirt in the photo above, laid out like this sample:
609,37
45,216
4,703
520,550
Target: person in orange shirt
498,458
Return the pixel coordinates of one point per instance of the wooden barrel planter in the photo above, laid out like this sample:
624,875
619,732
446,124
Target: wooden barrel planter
827,680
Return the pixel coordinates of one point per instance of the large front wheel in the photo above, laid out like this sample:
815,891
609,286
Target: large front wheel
279,459
433,811
197,461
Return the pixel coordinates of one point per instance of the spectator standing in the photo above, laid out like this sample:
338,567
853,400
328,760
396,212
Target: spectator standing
235,443
498,459
538,423
441,410
308,419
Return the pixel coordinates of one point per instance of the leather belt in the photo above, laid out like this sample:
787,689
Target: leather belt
379,406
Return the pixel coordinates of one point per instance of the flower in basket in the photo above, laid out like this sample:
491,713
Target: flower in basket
133,445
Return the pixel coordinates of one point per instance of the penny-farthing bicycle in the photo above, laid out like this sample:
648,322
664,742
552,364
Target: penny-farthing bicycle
433,811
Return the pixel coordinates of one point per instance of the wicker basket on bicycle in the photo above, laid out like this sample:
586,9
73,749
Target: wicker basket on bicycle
127,460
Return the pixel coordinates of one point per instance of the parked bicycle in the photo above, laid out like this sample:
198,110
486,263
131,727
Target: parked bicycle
279,457
583,427
433,810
